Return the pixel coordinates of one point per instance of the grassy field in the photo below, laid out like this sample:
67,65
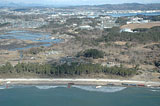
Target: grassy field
142,25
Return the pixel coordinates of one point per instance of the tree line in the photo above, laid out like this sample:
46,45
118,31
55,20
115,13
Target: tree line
67,69
146,35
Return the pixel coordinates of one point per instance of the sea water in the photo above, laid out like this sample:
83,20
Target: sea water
60,95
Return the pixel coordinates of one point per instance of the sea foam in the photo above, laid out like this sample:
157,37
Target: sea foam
102,89
87,88
2,87
45,87
155,90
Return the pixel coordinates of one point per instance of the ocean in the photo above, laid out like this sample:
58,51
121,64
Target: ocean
78,96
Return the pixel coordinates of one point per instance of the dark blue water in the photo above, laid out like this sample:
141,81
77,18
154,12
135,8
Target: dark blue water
133,14
79,96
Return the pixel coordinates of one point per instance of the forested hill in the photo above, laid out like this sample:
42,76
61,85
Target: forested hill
125,6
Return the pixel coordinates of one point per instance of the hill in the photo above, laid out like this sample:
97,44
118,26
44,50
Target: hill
125,6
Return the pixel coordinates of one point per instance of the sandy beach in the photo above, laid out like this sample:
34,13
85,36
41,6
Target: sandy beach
76,81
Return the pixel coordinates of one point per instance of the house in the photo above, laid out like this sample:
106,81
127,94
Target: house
126,30
86,27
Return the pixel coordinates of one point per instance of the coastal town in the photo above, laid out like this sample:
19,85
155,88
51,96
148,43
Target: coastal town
38,17
79,53
69,35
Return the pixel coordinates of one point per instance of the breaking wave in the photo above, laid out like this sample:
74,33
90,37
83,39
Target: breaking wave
87,88
29,86
2,87
102,89
155,87
6,87
155,90
45,87
50,86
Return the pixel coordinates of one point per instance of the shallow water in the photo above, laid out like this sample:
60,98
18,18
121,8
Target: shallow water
60,95
32,36
26,35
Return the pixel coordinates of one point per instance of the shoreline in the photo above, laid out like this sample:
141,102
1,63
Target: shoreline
64,81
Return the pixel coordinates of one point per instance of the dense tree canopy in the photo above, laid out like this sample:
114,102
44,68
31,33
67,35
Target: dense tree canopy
147,35
157,63
94,53
72,69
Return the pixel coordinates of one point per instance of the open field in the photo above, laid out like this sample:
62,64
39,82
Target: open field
142,25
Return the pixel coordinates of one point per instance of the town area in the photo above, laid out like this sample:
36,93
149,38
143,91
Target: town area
61,36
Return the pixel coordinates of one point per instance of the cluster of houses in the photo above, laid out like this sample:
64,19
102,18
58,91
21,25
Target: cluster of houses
134,20
137,20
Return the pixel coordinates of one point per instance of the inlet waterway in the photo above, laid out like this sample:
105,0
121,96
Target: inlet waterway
132,14
42,38
127,14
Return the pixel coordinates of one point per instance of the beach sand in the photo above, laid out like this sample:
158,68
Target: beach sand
48,81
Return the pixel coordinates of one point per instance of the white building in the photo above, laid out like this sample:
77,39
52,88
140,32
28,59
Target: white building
86,27
126,30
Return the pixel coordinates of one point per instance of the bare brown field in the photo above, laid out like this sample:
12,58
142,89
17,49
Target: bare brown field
142,25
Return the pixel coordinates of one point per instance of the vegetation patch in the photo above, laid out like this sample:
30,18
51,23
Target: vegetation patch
113,34
91,53
72,69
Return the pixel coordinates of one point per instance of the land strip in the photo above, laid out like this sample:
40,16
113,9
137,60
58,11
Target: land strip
78,82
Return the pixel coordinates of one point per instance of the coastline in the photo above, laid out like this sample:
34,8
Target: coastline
64,81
